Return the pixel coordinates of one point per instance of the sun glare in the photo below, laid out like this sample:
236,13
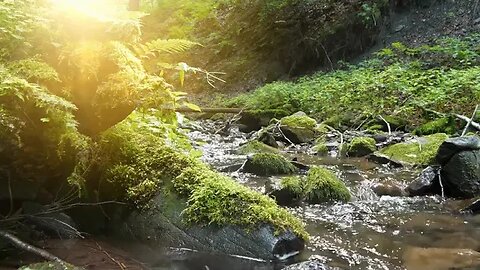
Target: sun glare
100,9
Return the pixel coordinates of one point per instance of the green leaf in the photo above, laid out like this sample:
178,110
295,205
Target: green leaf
192,106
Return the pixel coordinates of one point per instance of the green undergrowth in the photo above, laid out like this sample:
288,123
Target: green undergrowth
420,151
140,164
399,80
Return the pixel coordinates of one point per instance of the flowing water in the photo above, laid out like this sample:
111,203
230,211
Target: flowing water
370,232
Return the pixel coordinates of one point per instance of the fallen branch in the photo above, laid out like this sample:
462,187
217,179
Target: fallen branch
120,265
470,121
31,249
388,125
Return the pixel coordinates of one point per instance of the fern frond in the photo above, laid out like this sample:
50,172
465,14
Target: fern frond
168,46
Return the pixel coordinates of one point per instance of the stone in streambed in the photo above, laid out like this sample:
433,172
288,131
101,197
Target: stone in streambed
298,128
427,183
361,146
452,146
265,164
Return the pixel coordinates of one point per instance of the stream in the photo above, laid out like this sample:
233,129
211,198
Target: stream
370,232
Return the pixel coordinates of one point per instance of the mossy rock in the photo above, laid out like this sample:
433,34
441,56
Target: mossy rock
136,166
361,146
50,266
322,185
254,147
299,128
442,125
265,164
320,148
420,151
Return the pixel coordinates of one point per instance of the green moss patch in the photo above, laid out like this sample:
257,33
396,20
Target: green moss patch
441,125
293,184
361,146
322,185
268,164
421,151
254,147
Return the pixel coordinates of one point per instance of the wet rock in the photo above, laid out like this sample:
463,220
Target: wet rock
379,158
320,149
361,146
265,136
309,265
251,122
420,151
461,175
298,128
426,183
473,208
416,258
162,225
302,167
452,146
231,168
265,164
380,138
389,189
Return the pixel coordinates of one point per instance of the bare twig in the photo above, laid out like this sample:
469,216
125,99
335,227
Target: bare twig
29,248
470,121
328,57
120,265
388,125
10,193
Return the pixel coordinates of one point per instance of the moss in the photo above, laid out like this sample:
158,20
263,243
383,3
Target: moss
269,164
321,148
293,184
49,266
441,125
322,185
421,151
361,146
217,199
299,121
253,147
374,129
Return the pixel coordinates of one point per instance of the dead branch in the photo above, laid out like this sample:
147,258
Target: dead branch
31,249
470,121
120,265
388,125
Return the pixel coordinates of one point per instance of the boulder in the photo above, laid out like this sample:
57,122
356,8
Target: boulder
265,164
461,175
420,151
426,183
361,146
309,265
298,128
163,225
452,146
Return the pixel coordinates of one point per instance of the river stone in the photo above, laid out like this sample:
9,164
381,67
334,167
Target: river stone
162,225
454,145
309,265
283,196
461,175
426,183
473,208
389,188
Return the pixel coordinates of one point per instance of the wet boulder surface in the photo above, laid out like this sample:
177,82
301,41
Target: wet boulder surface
427,183
162,225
